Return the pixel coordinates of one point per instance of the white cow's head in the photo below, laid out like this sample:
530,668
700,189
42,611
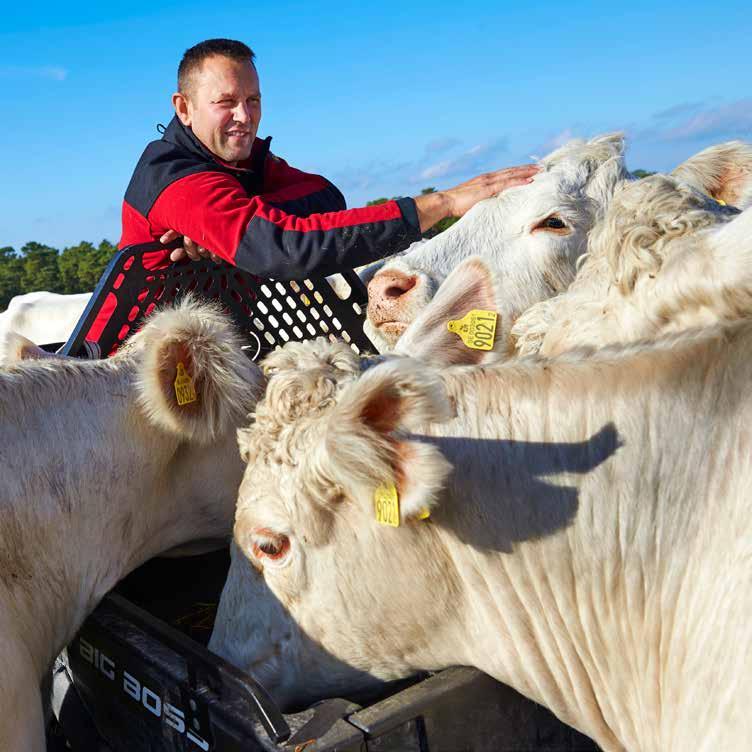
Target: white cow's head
306,514
530,235
302,506
665,258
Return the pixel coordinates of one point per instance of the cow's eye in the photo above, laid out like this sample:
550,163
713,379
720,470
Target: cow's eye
552,222
268,545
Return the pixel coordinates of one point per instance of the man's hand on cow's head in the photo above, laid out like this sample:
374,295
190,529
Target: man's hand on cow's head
454,202
193,250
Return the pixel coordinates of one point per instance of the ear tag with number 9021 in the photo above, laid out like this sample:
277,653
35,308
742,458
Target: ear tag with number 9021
476,328
386,505
185,392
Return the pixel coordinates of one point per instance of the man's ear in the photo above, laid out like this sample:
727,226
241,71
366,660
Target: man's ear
723,172
182,108
366,446
471,286
195,380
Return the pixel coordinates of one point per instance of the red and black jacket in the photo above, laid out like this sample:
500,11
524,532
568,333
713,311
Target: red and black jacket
262,215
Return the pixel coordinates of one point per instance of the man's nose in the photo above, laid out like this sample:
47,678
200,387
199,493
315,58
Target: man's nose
242,113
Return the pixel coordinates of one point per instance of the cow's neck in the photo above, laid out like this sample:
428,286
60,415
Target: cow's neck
562,573
94,498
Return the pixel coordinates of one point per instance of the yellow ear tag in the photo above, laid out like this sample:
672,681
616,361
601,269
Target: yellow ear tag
386,504
185,392
476,329
424,513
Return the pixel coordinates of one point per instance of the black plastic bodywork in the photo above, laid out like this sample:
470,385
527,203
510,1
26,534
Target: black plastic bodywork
267,312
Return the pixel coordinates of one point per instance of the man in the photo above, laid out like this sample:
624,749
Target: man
210,180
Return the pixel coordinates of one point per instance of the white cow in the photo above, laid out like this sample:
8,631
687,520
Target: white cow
588,540
665,258
44,317
104,465
533,235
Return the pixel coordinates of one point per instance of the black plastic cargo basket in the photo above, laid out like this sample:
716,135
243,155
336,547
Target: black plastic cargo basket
268,312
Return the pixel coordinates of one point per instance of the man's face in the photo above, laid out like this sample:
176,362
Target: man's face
222,107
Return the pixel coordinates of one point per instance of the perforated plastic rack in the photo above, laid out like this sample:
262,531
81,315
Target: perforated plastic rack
268,313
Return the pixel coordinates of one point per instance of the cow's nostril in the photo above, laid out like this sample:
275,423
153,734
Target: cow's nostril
399,287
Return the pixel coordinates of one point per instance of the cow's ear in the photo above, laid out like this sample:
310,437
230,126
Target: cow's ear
471,286
366,443
195,381
15,347
723,171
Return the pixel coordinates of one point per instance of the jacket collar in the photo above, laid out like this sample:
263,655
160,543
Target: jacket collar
176,133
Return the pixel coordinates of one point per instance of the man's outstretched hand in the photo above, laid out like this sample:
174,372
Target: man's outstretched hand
192,250
456,201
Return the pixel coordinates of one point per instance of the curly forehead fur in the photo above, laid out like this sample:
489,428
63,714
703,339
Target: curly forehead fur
315,353
305,378
644,217
599,168
596,151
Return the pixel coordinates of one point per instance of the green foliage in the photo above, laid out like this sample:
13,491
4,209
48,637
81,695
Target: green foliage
642,173
40,267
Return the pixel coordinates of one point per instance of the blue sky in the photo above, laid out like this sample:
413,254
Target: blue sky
384,98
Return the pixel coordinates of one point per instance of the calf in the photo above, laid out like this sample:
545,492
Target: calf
104,465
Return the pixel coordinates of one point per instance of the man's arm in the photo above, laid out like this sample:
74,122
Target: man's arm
214,211
297,192
264,239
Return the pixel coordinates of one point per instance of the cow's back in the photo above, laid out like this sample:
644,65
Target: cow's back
44,317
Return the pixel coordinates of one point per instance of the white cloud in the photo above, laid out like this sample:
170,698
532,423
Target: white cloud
678,110
726,121
553,143
476,159
700,121
440,145
50,72
378,178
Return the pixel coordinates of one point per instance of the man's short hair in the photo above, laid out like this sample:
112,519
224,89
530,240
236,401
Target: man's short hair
193,57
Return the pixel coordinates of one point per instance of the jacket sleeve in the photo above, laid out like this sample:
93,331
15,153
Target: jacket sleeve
297,192
257,235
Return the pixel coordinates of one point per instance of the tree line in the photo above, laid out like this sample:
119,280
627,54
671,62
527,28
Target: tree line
36,266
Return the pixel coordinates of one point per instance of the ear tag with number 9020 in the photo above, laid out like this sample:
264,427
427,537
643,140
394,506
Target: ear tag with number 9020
476,329
185,392
386,505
